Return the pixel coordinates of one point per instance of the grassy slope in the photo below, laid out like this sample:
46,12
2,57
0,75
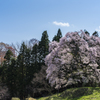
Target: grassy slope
82,93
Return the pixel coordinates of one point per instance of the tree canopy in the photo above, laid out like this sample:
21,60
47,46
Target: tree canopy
72,60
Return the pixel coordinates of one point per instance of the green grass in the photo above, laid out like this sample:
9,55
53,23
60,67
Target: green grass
14,98
30,98
82,93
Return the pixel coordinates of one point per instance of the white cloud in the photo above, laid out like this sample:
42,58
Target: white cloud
61,24
98,29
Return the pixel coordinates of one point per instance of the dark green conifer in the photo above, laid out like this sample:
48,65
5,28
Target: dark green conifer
43,47
23,63
86,32
58,36
95,34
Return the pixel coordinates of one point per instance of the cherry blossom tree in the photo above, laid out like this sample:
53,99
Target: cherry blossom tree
4,93
73,60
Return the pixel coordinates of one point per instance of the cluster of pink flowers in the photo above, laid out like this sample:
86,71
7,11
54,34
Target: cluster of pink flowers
74,59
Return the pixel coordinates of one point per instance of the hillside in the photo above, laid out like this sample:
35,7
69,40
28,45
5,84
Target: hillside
82,93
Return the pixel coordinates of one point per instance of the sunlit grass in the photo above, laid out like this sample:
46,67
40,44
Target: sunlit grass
15,98
30,98
83,93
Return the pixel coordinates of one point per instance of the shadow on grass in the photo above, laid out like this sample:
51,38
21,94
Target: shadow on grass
74,93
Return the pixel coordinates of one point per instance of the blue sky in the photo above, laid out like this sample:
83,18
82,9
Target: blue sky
26,19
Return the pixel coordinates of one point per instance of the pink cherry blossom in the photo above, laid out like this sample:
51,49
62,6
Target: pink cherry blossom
73,59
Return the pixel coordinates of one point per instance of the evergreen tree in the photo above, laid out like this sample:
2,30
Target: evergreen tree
58,36
8,55
23,63
4,72
86,32
12,78
95,34
5,65
43,47
35,59
54,38
8,74
34,53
